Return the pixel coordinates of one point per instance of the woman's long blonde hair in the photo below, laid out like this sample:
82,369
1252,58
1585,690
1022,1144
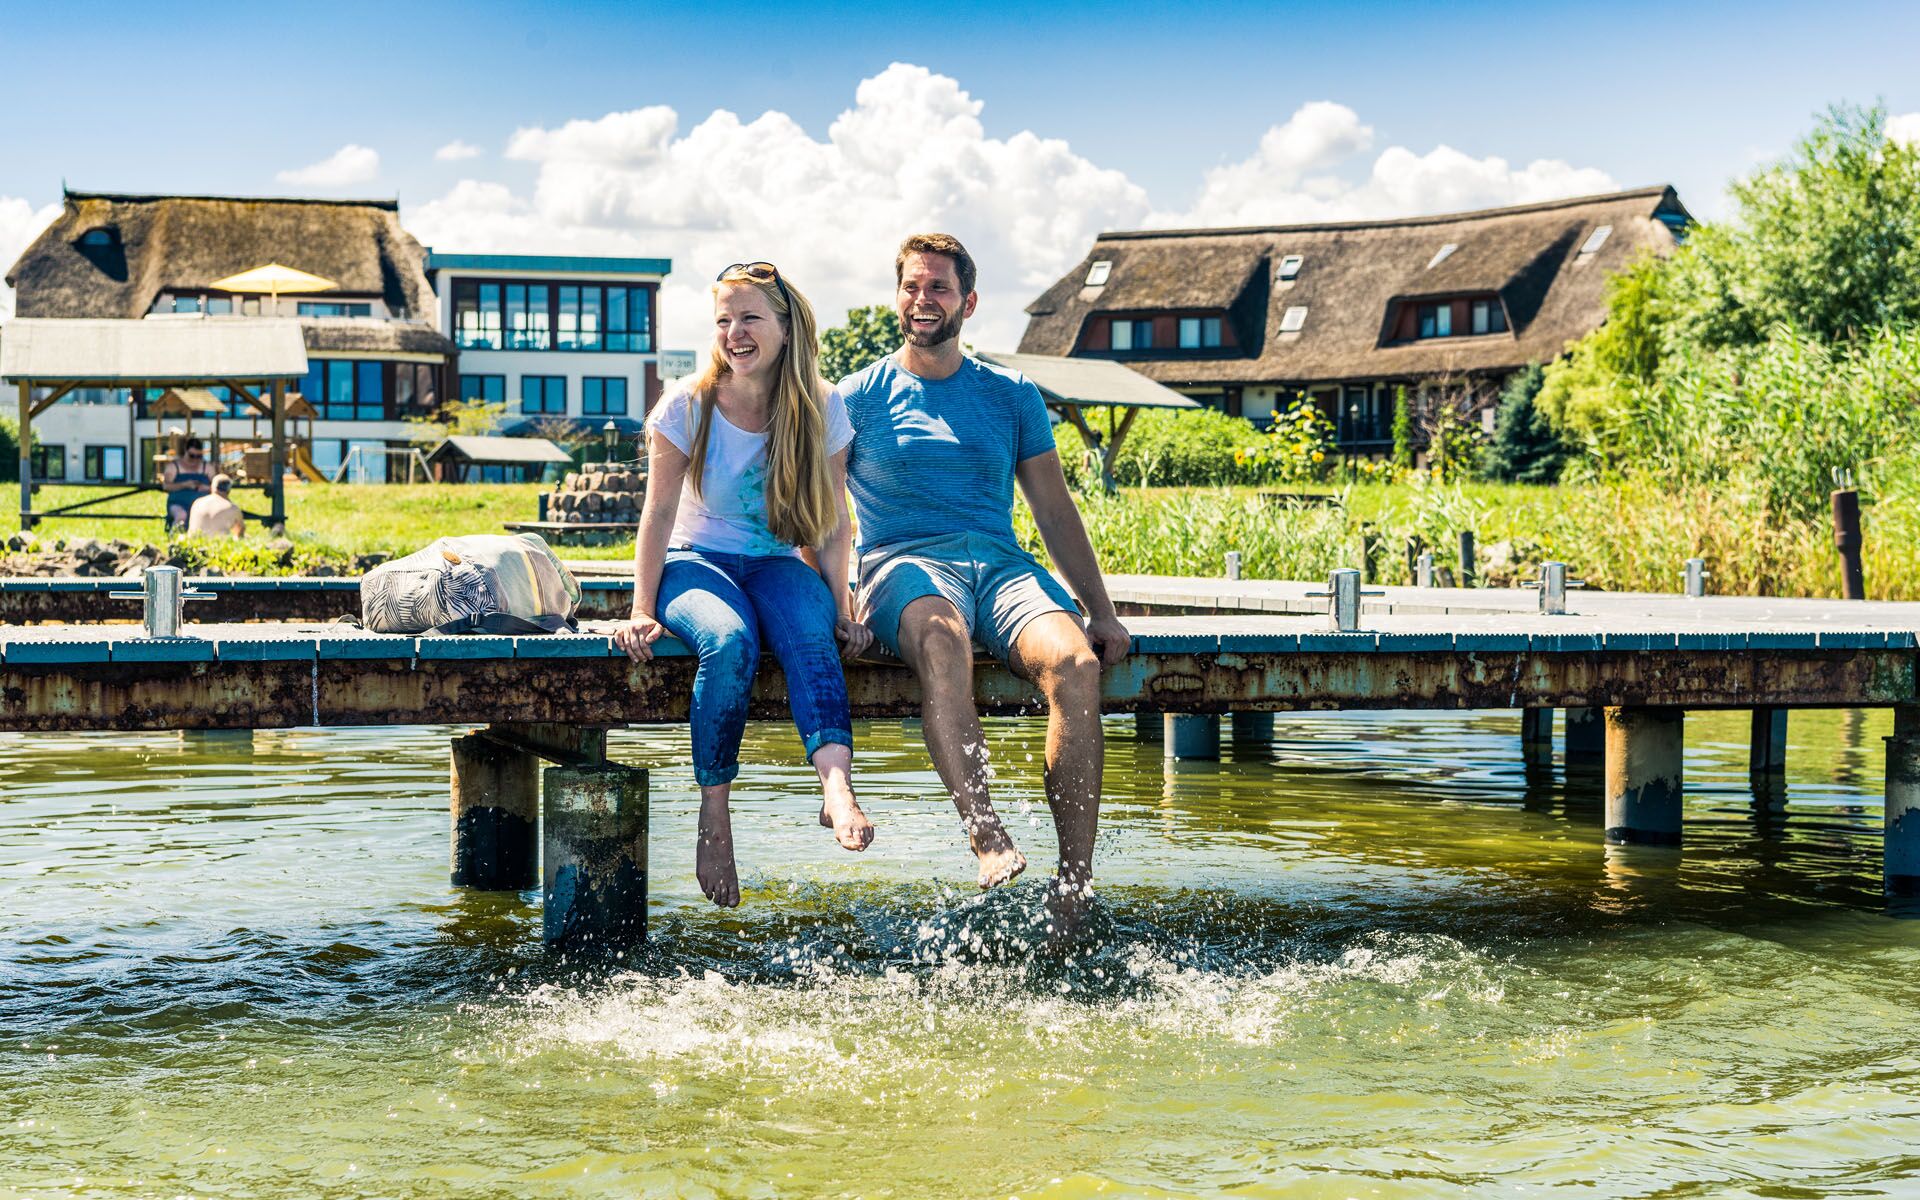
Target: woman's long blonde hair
800,502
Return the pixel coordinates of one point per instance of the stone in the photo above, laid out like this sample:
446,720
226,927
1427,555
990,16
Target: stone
323,571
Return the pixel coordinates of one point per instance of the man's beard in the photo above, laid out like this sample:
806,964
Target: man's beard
939,335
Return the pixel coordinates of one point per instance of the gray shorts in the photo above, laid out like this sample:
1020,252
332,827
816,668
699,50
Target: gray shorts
996,587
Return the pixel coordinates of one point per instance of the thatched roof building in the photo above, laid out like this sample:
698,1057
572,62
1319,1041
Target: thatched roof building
1350,304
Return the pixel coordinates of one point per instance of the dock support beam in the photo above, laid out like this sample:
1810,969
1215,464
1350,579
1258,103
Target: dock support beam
1586,735
1644,749
1192,737
1252,730
495,807
595,867
1767,752
1536,737
1903,804
1149,726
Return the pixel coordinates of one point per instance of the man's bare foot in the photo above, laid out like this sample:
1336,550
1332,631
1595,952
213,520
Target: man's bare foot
713,860
841,813
1000,860
1067,903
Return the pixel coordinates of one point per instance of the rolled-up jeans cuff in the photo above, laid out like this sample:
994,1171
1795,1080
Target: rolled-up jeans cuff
716,776
826,737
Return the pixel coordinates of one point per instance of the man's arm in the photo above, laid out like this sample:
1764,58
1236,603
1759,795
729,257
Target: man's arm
1045,487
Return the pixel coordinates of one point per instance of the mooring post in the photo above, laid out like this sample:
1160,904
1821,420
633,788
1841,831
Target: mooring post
494,810
1252,730
1903,804
1644,750
1467,573
595,868
1846,539
1192,737
1536,736
1586,735
1767,751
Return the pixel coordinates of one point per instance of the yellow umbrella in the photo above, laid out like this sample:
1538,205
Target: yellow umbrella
274,279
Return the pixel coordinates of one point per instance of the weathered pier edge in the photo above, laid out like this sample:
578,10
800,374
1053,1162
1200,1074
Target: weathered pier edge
551,699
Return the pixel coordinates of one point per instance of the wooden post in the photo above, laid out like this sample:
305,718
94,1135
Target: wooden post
595,863
1846,539
1902,864
1536,736
494,811
26,455
1644,750
277,457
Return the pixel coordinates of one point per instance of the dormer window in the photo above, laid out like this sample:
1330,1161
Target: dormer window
1294,320
1289,267
1131,335
1098,272
1199,333
102,236
1489,317
1440,255
1595,240
1436,320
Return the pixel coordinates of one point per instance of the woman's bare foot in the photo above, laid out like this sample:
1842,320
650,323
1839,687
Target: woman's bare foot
850,826
713,856
1000,860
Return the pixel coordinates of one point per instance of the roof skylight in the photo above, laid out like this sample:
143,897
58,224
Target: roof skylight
1440,255
1289,266
1098,272
1293,319
1596,239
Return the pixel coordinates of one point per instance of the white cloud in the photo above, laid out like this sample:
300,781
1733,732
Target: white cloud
456,150
348,165
1904,128
1297,175
20,223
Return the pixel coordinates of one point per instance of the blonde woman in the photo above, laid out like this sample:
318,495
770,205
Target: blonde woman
746,468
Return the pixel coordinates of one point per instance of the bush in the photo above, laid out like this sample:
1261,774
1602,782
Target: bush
1172,448
1524,449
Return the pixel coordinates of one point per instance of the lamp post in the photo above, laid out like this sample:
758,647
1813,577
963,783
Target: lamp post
610,434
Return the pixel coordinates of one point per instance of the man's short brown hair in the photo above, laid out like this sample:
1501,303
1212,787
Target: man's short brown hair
938,243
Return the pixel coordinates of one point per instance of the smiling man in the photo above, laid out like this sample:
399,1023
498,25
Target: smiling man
939,441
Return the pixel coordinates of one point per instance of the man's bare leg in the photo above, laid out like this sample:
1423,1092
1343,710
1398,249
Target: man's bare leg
934,642
1052,653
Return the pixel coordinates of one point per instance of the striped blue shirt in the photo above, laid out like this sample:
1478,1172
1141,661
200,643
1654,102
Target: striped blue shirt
935,457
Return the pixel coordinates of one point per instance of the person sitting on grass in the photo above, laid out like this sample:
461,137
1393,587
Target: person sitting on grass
746,483
214,515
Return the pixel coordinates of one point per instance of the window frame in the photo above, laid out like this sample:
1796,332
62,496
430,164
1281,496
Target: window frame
93,462
592,407
577,316
546,383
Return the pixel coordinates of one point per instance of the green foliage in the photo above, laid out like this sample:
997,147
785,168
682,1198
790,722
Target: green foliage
1826,242
1402,430
870,334
1180,447
456,418
1585,397
1299,446
9,450
1524,448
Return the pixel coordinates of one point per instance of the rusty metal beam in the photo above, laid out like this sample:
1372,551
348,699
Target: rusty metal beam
260,695
581,746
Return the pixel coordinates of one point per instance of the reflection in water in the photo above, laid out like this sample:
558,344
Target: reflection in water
1377,956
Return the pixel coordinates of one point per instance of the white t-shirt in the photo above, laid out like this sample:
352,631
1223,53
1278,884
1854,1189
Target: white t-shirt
730,516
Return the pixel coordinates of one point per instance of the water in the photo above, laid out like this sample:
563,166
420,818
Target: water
1375,962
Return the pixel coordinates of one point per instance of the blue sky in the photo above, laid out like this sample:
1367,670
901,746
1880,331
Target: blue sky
1154,97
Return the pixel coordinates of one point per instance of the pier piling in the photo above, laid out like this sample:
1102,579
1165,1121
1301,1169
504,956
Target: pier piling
595,866
1767,751
1643,788
1536,737
1192,737
1149,726
495,805
1252,730
1903,804
1586,735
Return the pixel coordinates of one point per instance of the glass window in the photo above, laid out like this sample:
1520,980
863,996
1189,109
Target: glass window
1596,239
543,394
1436,320
186,304
1122,335
603,397
1294,319
1143,335
1440,255
1189,333
49,461
1210,332
370,391
487,389
332,308
1098,273
569,323
105,462
1290,266
589,318
220,306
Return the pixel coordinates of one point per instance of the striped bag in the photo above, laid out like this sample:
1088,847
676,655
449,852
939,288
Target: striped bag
484,583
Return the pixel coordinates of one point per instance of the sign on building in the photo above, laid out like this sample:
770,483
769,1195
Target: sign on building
676,364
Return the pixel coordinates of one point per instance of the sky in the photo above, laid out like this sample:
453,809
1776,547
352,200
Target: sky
817,136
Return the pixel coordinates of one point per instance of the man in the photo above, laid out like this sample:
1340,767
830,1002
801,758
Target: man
214,515
939,441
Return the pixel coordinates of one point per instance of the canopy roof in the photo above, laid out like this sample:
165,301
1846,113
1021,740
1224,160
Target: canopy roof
499,451
159,351
188,402
1088,382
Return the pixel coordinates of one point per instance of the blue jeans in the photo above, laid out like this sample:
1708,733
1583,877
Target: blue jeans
724,606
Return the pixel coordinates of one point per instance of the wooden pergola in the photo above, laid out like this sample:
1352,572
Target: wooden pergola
254,359
1069,385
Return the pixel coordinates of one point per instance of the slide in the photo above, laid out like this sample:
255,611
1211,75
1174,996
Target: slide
298,457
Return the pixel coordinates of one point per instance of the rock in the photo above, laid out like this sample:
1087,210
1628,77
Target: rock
89,549
322,571
22,541
571,482
362,563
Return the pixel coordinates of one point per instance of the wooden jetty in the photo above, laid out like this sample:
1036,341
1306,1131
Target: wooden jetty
1627,677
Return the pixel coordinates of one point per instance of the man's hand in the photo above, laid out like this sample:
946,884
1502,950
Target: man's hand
853,636
1110,639
638,635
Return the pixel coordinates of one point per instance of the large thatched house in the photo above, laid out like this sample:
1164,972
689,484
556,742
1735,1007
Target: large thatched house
378,343
1348,311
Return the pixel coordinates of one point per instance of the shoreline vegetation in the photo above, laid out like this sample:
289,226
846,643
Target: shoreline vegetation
1629,535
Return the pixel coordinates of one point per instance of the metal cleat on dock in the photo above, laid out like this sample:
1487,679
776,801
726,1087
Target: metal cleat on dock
164,594
1697,576
1343,593
1553,584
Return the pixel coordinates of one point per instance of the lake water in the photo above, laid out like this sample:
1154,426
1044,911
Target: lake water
1374,961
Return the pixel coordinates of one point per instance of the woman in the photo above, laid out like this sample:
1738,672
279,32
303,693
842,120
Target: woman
184,480
746,466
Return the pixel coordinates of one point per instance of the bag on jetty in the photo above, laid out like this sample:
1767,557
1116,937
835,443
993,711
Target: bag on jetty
485,583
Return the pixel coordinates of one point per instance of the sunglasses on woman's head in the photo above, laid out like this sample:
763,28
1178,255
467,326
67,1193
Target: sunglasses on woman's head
759,272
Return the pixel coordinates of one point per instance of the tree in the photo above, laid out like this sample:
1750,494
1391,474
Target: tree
870,334
1587,395
456,418
1525,449
1402,429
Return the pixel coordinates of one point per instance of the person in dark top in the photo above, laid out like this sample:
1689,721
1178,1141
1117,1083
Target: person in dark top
185,480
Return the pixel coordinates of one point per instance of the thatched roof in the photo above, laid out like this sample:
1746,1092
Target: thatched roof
168,243
1354,277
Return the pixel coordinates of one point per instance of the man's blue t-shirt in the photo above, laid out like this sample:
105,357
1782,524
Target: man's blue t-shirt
935,457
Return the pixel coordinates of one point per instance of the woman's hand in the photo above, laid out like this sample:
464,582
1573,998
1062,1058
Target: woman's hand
638,635
853,636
